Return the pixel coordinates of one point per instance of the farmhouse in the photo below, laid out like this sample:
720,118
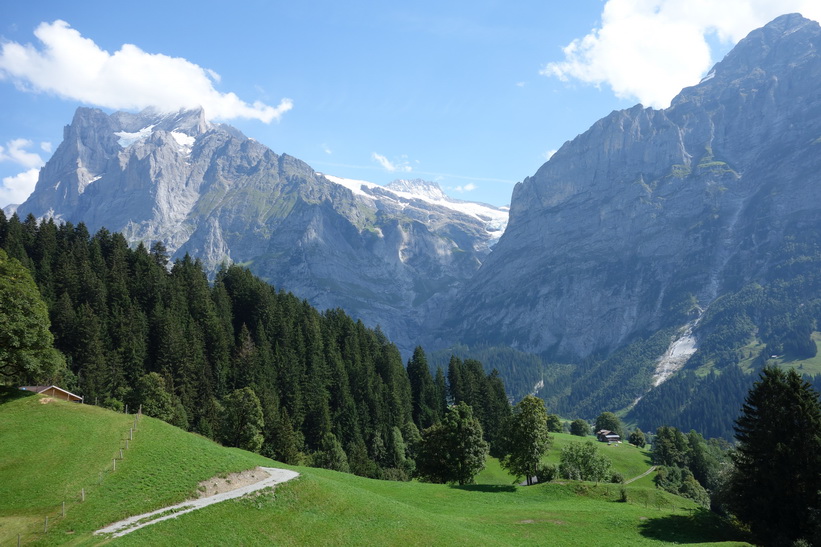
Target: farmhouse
54,391
607,436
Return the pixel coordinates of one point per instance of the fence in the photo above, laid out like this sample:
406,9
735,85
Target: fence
53,517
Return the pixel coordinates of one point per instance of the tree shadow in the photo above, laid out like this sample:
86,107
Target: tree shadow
489,488
699,526
9,394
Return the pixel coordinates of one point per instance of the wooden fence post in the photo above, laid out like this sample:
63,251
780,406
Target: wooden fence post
64,509
45,528
83,494
114,468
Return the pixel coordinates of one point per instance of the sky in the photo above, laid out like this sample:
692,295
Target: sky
474,95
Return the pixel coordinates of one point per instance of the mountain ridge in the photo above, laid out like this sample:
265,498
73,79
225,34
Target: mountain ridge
388,255
649,215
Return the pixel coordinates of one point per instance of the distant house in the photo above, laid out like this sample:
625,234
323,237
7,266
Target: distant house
54,391
606,436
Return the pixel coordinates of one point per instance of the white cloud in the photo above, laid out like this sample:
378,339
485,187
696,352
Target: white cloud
326,149
549,154
650,49
392,166
74,67
469,187
14,151
16,189
45,146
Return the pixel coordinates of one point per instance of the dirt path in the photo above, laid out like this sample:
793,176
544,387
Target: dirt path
640,476
226,489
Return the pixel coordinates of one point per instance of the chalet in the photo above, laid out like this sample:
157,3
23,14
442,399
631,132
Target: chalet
607,436
54,391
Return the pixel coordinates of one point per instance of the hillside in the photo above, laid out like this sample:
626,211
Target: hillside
164,465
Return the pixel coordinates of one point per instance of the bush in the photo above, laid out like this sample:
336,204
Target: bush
580,428
546,472
617,478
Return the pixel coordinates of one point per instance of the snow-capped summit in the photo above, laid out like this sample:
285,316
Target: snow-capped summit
425,201
386,255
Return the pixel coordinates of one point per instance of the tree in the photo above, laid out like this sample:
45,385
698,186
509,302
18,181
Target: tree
26,352
453,450
554,423
610,422
670,447
637,438
423,390
774,486
243,421
154,398
582,461
580,428
527,438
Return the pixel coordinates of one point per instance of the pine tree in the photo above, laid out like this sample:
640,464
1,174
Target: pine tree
423,391
774,486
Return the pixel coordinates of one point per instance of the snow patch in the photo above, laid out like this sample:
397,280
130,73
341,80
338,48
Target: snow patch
185,141
126,138
710,76
494,218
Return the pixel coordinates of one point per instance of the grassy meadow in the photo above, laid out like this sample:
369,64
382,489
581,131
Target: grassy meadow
48,452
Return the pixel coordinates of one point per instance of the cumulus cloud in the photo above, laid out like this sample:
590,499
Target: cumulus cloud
74,67
15,151
650,49
16,189
400,165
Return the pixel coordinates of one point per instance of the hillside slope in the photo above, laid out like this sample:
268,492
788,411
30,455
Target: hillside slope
165,464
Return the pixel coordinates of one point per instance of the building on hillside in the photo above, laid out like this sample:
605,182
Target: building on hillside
607,436
54,391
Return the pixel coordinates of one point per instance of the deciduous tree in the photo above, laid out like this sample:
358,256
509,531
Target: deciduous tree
452,450
26,352
580,428
527,438
582,461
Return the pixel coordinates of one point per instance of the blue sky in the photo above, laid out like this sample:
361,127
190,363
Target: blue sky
473,95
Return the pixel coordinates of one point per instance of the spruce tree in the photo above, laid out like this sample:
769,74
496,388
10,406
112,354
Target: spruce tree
774,486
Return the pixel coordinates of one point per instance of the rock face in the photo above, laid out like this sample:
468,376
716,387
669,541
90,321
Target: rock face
642,221
385,255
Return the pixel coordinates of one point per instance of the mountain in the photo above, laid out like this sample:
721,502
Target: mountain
666,254
388,256
644,220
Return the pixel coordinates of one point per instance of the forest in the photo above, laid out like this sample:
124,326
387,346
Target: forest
235,359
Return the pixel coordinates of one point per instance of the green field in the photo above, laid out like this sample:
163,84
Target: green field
50,451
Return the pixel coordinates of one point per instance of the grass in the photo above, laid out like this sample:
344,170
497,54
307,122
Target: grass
327,508
626,458
54,449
